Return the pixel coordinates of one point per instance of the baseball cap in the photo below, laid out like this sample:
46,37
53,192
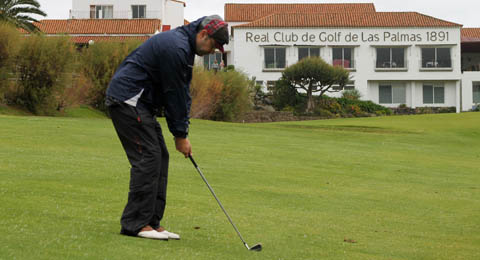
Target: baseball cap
216,28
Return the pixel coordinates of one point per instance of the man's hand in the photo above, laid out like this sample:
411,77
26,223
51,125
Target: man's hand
183,145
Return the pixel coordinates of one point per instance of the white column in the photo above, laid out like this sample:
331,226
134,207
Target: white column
458,102
413,86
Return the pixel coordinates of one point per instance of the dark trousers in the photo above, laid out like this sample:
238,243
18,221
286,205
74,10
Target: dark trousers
143,142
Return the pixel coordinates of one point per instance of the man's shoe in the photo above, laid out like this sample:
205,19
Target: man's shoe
170,235
152,234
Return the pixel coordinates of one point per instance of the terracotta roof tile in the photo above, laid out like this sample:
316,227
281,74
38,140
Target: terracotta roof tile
100,26
251,12
86,39
470,34
371,19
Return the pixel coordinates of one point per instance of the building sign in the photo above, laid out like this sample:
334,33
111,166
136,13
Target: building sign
350,37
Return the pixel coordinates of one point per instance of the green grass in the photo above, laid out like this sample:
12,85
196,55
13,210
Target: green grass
402,187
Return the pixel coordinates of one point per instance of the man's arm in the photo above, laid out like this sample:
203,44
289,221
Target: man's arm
177,98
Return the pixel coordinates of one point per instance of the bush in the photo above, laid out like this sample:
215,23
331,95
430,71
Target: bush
352,94
9,42
206,91
284,95
42,68
235,100
98,63
224,96
324,113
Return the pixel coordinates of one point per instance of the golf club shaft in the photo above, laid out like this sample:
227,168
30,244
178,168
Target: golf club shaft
219,203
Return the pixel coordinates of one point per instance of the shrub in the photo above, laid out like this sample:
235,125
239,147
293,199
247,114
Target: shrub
352,94
98,63
205,89
423,110
284,95
9,42
235,100
222,96
42,67
324,113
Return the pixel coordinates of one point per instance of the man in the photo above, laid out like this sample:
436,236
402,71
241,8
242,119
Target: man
157,76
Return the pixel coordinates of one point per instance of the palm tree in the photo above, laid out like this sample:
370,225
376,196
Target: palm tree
17,13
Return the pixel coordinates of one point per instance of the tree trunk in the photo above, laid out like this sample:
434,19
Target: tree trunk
310,103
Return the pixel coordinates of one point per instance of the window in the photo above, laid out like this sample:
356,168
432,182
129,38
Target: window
304,52
436,58
433,94
212,61
390,57
259,83
476,92
275,58
101,12
389,94
139,11
343,57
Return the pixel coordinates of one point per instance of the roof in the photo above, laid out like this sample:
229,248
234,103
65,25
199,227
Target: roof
370,19
86,39
100,26
251,12
84,30
470,35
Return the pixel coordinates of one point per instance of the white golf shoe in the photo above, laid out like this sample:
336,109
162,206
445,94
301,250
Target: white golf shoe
153,234
170,235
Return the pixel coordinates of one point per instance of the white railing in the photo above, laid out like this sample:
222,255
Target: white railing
436,64
390,66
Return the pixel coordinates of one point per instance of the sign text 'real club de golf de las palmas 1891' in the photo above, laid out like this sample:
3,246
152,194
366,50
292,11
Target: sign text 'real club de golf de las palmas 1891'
346,37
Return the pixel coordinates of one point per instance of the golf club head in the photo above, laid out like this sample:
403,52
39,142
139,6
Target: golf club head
257,247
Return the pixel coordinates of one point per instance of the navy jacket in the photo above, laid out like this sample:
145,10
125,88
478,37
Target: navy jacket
158,74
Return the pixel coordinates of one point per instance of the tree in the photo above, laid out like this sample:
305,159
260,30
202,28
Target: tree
17,13
315,75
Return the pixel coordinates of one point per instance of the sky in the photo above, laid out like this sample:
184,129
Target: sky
464,12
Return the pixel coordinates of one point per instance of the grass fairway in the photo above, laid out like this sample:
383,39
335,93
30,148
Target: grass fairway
401,187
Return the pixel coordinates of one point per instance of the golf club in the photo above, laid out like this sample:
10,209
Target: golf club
257,247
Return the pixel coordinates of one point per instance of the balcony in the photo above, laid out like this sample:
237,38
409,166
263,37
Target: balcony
391,66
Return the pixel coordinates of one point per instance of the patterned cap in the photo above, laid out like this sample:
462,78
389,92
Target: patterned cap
217,29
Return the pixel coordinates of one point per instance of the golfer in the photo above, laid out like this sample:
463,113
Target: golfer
156,76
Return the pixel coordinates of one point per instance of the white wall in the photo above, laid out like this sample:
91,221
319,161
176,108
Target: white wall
121,8
174,14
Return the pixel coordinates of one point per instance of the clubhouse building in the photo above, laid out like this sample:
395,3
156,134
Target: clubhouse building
394,58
